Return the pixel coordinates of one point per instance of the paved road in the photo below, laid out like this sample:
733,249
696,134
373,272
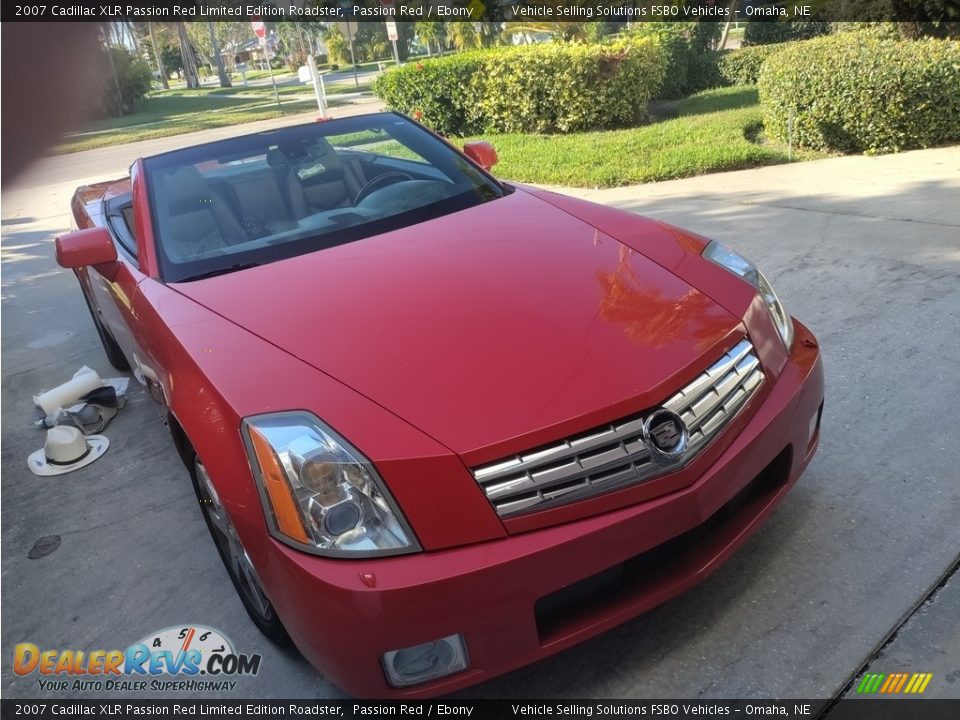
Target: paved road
865,250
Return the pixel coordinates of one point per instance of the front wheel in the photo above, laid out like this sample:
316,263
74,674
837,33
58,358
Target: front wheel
235,558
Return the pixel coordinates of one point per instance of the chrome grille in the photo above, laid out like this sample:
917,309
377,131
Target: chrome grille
615,455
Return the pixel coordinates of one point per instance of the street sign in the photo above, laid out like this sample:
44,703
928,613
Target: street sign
392,31
259,28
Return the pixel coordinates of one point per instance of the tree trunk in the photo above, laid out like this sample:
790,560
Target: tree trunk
133,37
217,58
190,73
118,105
303,45
156,54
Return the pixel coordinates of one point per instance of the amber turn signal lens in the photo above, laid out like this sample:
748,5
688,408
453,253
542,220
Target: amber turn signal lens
275,482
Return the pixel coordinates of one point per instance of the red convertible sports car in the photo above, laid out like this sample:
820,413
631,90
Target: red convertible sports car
441,426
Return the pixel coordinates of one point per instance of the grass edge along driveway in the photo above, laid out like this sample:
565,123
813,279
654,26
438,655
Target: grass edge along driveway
711,131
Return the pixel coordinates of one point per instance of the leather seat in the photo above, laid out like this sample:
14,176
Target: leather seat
193,219
337,184
288,184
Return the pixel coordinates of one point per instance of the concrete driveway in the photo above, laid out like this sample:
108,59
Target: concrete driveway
866,251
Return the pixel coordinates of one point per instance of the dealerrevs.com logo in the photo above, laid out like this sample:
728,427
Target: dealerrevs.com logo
186,658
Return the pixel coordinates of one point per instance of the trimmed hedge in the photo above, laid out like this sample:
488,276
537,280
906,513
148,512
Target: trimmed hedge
872,95
544,88
690,63
441,93
704,71
742,67
564,88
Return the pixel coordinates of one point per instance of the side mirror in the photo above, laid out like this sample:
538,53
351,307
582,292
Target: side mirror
482,153
81,248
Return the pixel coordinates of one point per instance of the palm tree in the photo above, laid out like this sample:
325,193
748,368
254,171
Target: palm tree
430,32
217,58
190,73
156,53
566,30
464,35
338,50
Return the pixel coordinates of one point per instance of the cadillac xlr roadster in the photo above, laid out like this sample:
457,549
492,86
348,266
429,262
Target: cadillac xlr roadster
439,425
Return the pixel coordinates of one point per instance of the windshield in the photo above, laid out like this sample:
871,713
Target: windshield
255,199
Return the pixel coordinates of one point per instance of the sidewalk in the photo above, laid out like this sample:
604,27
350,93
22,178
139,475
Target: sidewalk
857,185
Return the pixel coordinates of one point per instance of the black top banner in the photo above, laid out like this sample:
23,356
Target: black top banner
484,10
119,709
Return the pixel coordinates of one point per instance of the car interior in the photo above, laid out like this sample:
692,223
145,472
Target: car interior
214,206
258,198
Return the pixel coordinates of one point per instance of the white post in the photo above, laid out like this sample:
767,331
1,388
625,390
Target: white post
317,85
790,136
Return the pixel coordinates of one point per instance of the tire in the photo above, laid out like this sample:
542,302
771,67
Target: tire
234,557
114,354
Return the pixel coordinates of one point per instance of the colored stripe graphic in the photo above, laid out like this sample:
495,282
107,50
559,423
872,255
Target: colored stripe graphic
891,679
894,683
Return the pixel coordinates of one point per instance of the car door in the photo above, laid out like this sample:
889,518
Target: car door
111,290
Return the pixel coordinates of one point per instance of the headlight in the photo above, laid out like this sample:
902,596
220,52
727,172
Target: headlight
321,494
741,267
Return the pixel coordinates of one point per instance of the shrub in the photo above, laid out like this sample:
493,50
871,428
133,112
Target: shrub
553,87
443,93
567,87
678,54
691,64
742,67
872,95
122,80
704,71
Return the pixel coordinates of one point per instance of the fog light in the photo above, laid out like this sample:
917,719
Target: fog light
429,661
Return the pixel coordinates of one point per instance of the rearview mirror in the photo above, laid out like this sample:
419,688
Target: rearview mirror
81,248
482,153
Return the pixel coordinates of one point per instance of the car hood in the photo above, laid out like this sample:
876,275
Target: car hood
501,326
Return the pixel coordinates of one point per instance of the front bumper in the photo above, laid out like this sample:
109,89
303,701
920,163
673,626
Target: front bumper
524,597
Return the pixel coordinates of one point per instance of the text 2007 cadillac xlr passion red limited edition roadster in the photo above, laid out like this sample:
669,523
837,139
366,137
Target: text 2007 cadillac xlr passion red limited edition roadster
441,426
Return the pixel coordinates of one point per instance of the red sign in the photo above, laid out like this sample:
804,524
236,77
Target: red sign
259,28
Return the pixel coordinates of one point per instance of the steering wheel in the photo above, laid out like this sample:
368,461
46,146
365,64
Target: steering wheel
394,176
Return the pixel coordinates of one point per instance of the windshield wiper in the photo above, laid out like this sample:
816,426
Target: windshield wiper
219,271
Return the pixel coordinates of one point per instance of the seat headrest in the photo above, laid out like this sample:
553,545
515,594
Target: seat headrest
184,185
276,156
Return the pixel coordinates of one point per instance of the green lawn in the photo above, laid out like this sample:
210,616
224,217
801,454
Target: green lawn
175,113
708,132
258,74
238,89
182,110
